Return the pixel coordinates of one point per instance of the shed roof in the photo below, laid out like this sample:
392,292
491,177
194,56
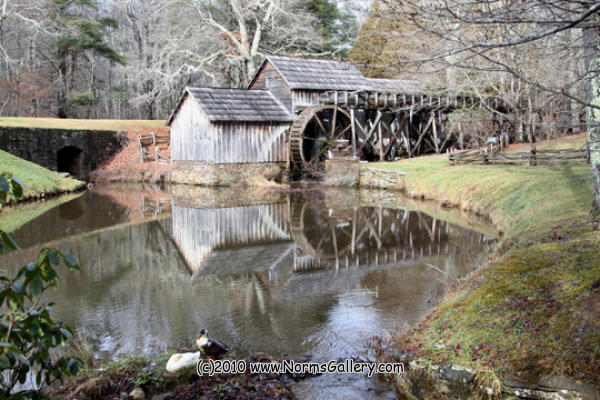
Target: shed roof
226,105
313,74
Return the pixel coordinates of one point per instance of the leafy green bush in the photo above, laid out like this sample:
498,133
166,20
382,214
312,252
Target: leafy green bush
27,332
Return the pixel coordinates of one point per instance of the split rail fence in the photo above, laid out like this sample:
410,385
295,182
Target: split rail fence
154,148
533,157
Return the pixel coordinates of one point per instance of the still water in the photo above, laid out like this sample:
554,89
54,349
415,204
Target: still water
283,273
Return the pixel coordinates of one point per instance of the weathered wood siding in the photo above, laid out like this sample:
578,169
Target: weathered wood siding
235,142
189,140
304,98
194,138
269,78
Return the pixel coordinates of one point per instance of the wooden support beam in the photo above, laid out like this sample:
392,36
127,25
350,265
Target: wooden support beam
353,127
421,135
393,138
435,135
380,129
372,130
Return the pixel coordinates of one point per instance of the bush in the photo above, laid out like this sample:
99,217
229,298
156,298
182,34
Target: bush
272,173
27,332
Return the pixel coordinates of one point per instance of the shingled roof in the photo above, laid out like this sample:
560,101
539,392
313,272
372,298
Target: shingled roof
312,74
237,105
394,85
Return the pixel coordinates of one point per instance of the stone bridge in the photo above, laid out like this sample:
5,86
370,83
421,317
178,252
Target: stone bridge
74,151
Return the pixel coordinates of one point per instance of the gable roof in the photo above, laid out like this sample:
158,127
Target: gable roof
225,105
312,74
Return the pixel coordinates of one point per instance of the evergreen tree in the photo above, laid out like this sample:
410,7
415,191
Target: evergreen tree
337,27
75,33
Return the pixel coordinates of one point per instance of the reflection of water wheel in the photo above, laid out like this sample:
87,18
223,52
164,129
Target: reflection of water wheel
318,234
317,130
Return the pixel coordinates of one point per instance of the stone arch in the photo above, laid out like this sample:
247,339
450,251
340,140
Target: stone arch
70,159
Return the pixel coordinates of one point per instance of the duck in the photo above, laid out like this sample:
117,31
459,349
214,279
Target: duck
210,347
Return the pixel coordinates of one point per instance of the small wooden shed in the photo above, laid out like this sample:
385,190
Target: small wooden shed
229,126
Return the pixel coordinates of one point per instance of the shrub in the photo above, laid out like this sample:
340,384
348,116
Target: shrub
27,332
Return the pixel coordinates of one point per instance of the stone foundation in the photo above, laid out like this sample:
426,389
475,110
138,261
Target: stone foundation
353,173
377,178
234,174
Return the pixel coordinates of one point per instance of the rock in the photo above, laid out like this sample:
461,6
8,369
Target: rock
454,373
137,394
163,396
123,396
180,361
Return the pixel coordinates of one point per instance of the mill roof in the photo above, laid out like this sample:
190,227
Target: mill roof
224,105
313,74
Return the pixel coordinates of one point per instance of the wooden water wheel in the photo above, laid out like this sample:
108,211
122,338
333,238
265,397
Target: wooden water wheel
317,131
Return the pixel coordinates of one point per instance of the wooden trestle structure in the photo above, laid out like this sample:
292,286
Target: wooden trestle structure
376,126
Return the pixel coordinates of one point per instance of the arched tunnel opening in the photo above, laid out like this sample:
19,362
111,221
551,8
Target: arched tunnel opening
70,159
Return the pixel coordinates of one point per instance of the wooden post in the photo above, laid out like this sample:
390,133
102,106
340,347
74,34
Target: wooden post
461,138
380,131
405,133
141,149
353,128
532,160
435,135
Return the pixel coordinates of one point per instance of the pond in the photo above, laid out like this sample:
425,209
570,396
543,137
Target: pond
286,273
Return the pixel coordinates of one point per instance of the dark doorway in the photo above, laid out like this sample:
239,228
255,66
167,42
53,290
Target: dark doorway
70,159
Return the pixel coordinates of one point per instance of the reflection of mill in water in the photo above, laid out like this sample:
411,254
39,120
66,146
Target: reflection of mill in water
279,240
367,237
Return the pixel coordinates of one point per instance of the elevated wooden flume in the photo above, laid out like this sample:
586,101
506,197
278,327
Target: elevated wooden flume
373,125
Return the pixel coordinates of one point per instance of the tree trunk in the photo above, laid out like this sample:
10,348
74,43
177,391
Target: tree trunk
592,63
62,111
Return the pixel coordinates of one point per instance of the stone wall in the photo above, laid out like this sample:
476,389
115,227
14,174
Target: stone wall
353,173
378,178
75,151
239,174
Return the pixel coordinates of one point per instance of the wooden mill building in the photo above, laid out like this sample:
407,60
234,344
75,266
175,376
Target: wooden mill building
251,125
299,82
229,126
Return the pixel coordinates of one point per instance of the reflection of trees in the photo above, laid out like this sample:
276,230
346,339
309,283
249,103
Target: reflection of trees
86,213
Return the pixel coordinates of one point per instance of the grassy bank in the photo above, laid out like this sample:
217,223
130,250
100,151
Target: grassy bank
91,124
39,181
534,309
117,379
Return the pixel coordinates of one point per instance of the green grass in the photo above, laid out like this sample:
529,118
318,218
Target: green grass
38,180
87,124
531,309
521,201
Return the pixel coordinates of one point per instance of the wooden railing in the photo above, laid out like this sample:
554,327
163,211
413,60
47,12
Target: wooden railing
533,157
154,148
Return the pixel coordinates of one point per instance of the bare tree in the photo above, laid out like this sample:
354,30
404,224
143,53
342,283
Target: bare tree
529,51
245,31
